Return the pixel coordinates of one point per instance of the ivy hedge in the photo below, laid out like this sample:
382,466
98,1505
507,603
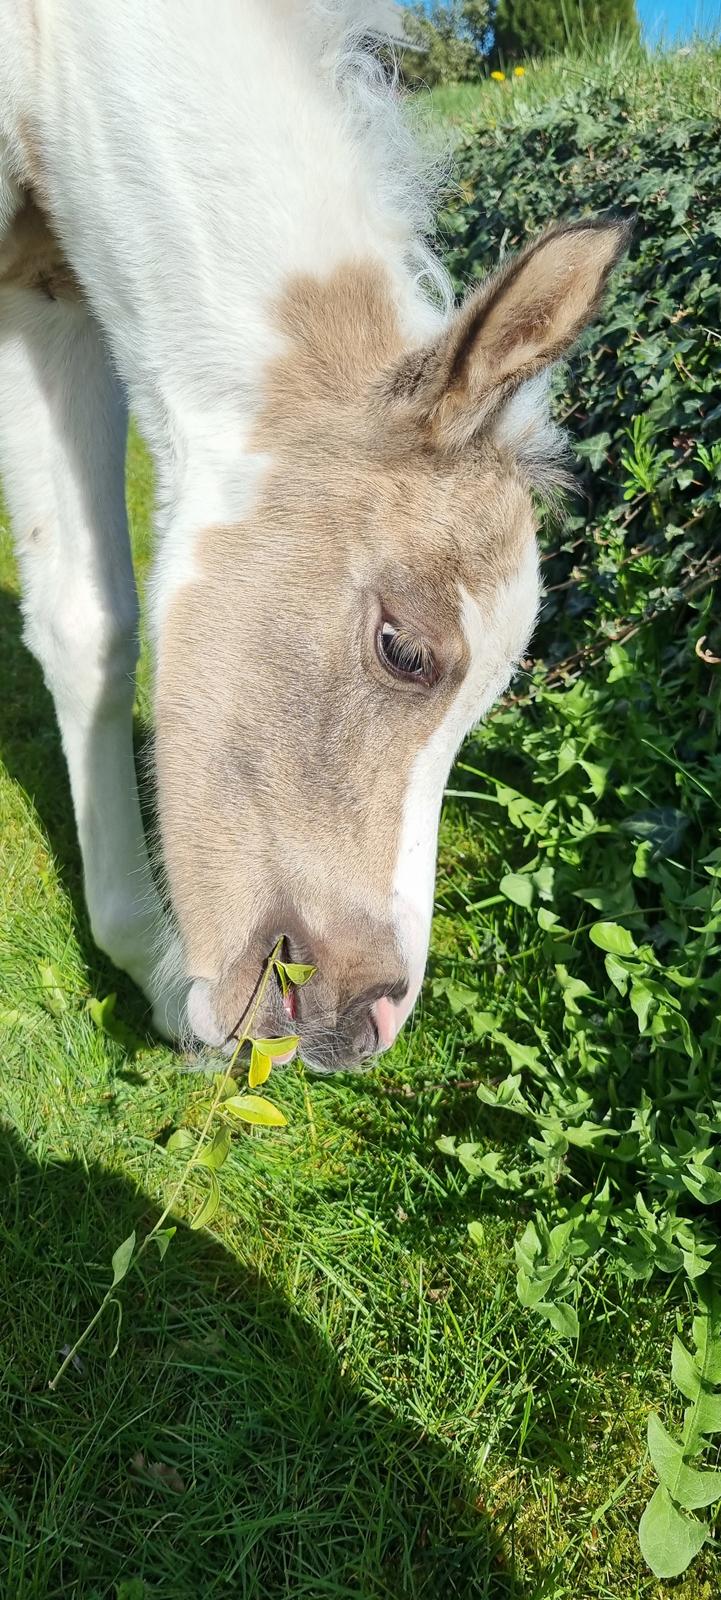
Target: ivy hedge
605,769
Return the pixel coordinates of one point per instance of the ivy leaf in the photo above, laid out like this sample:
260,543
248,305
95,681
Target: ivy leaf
594,449
122,1258
210,1204
668,1539
255,1109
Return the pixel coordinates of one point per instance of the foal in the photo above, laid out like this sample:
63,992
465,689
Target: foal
218,218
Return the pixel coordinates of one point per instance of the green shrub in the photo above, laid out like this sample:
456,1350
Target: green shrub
540,27
604,765
452,37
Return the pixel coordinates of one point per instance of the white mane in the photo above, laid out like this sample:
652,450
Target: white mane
408,174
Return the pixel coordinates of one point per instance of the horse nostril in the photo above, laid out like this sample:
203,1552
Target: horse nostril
384,1017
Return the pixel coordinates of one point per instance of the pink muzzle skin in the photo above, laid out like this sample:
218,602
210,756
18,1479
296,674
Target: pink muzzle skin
388,1019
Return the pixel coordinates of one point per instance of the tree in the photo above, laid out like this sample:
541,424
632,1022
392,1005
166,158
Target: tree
453,38
544,27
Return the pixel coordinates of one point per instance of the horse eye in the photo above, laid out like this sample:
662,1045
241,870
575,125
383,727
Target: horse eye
405,656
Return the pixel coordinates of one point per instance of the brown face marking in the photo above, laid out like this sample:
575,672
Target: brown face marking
32,258
284,748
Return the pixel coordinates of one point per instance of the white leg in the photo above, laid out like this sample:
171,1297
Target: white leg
63,431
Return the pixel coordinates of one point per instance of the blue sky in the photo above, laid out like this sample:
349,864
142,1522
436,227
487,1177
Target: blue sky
678,19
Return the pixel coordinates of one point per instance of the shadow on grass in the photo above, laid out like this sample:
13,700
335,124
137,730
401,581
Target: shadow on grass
225,1449
31,750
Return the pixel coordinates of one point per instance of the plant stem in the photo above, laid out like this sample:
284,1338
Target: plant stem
243,1037
81,1340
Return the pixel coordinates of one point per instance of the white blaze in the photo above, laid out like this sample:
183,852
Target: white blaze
496,634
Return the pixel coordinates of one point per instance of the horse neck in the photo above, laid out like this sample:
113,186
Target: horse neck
226,165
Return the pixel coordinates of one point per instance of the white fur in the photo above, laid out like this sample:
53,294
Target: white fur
192,159
62,447
496,639
193,164
525,428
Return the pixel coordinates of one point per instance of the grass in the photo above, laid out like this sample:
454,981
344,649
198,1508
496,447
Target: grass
688,78
334,1392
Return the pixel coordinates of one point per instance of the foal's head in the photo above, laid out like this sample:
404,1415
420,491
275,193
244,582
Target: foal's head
319,673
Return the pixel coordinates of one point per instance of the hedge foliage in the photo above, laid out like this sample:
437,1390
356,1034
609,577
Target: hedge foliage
604,765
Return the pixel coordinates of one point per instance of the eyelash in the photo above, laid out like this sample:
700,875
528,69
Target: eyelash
404,655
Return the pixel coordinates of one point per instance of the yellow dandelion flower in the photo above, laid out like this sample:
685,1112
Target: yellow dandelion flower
519,72
498,77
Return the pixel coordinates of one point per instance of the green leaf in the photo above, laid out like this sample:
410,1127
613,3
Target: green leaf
481,1163
477,1233
298,972
483,1022
210,1204
641,999
610,936
103,1015
684,1371
704,1183
254,1108
260,1068
54,997
618,974
567,756
131,1589
122,1258
162,1240
669,1541
597,777
692,1489
115,1302
518,887
594,449
707,1339
272,1048
181,1140
561,1316
521,1055
216,1154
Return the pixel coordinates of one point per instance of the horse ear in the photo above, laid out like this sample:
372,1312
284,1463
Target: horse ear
523,318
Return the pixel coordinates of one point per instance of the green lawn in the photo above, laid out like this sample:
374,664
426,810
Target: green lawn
334,1391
